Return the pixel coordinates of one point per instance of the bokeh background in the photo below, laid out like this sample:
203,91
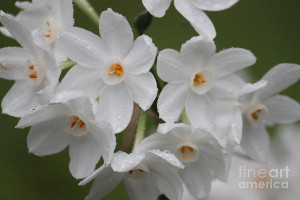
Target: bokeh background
269,28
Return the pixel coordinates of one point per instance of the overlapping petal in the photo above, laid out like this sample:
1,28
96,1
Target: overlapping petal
172,101
198,19
83,47
170,67
200,112
117,106
229,61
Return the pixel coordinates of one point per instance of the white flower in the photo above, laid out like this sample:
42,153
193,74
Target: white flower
146,175
113,69
262,106
192,10
48,16
32,67
197,77
200,152
73,124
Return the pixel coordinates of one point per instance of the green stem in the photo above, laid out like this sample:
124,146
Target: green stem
88,9
140,132
66,64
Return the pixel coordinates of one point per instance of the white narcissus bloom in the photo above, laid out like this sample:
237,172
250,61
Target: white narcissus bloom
192,10
197,77
48,16
199,151
146,175
112,69
32,67
73,124
263,107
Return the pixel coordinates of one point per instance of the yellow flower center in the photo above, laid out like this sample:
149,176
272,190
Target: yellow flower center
117,70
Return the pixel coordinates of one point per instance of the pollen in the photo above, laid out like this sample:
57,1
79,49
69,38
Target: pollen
199,79
186,149
255,115
117,70
33,74
48,36
77,120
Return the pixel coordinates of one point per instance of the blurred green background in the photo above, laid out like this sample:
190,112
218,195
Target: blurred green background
269,28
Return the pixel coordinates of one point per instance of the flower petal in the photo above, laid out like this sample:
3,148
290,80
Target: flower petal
64,11
53,111
171,101
12,61
157,8
105,182
250,88
282,109
116,32
226,88
142,88
200,112
141,57
169,157
229,61
196,52
255,141
197,179
123,162
214,5
117,106
105,139
18,31
20,100
84,154
83,47
79,81
48,137
211,153
197,18
5,32
167,181
143,188
170,67
279,78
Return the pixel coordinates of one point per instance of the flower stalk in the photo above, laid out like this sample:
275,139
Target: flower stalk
140,132
88,9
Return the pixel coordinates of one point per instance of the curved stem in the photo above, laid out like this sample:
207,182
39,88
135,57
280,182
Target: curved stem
140,132
88,9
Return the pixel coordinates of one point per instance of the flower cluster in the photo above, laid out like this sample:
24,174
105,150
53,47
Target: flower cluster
207,112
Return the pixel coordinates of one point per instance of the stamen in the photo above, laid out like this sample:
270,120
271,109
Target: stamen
76,120
33,75
254,114
184,148
48,23
82,125
48,36
118,70
198,79
31,67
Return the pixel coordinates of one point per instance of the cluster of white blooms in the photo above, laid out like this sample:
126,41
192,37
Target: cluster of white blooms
208,112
